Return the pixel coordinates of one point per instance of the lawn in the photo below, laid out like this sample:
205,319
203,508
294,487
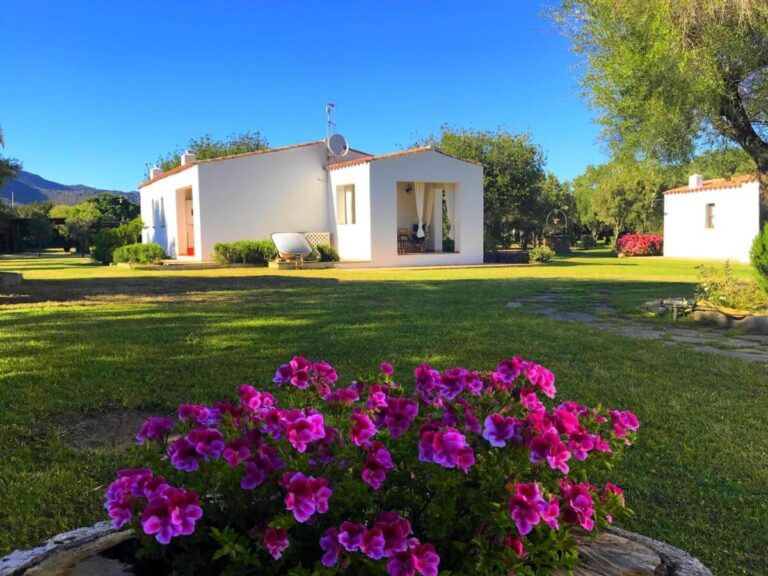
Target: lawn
81,346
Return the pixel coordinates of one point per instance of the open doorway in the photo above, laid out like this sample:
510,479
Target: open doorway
186,222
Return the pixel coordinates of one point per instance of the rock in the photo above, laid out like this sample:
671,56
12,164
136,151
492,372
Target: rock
514,305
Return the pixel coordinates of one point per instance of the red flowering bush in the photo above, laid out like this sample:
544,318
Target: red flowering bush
462,472
639,244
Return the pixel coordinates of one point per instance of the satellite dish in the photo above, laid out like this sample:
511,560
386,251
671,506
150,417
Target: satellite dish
337,145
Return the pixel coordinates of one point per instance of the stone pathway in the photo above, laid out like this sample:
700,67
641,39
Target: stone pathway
554,304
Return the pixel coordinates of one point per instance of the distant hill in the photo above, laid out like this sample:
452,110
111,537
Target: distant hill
28,188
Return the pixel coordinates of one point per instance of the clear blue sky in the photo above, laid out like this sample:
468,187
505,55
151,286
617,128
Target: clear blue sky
90,91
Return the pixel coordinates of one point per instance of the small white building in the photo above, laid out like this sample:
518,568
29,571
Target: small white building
384,210
712,219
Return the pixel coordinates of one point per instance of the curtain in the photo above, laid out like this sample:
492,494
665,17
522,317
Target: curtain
418,194
429,197
450,207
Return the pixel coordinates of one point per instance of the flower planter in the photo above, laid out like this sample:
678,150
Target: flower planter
708,313
101,551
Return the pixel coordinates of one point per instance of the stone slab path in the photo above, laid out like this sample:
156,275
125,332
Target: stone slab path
557,306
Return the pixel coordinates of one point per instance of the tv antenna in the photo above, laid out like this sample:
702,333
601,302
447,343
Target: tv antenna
336,143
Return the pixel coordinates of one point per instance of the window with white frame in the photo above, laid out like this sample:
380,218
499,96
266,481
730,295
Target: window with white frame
709,216
345,204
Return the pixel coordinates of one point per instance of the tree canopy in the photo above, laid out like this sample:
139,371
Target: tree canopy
670,76
206,147
115,207
9,167
513,176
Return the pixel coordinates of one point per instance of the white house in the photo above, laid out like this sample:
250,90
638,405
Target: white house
381,210
712,218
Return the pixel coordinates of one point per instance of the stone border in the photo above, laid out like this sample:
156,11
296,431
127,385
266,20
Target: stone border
76,545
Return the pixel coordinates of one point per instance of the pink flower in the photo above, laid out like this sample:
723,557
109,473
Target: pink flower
473,383
508,371
549,447
330,546
236,452
372,544
276,540
386,369
254,401
363,429
446,447
516,544
172,514
154,428
541,378
623,422
199,415
342,396
550,513
260,467
303,428
377,465
305,495
400,413
351,536
426,560
525,507
183,455
577,501
452,381
401,564
530,401
395,530
325,372
498,430
428,383
208,442
296,373
581,443
612,490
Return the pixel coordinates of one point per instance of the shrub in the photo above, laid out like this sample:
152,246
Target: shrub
541,254
244,252
588,241
150,253
758,255
107,240
639,244
468,471
327,253
722,288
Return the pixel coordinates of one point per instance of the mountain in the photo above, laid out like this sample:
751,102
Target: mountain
28,188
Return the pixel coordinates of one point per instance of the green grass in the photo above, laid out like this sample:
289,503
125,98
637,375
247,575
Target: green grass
79,342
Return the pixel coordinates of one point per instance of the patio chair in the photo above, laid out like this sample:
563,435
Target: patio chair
404,242
292,246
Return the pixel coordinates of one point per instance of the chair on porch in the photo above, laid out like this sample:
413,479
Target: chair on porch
404,243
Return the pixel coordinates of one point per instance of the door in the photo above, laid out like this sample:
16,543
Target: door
189,218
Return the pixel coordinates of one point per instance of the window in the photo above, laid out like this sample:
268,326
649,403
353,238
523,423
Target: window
709,217
345,204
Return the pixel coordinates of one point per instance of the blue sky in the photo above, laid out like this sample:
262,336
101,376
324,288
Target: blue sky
92,91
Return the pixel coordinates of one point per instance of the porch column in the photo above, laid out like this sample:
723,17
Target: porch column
437,218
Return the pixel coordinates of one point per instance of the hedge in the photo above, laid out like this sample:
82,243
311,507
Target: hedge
150,253
244,252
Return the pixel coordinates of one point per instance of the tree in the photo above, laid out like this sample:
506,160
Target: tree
79,221
115,207
39,231
669,75
513,175
9,167
34,208
584,187
206,147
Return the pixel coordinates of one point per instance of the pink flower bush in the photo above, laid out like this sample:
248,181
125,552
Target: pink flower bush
639,244
453,454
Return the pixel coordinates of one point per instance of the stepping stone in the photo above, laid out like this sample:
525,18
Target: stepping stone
514,304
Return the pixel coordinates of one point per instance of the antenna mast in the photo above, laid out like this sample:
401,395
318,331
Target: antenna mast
329,108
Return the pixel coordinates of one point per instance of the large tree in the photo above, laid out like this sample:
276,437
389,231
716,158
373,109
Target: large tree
115,207
668,76
206,147
513,176
9,167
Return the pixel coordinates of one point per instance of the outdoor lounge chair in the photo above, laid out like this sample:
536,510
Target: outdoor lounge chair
292,246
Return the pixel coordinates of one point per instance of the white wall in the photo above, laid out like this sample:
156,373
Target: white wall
165,190
353,241
251,197
736,223
426,167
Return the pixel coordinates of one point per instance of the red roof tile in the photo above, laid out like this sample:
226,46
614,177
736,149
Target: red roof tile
715,184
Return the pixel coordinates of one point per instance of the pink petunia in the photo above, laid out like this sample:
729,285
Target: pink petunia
276,541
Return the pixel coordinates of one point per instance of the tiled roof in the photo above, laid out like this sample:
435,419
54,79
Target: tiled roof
243,155
392,155
715,184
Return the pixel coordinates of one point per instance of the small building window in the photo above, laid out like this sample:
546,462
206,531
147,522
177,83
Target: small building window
345,204
709,217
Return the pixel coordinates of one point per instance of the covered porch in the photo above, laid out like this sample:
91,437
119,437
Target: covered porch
426,217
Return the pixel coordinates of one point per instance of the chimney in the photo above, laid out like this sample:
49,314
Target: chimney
155,172
187,158
695,181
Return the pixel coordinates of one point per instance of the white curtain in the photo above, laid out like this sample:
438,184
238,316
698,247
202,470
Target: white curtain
429,197
450,202
418,194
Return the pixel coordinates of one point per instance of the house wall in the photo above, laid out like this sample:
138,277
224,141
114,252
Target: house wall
251,197
427,167
163,227
353,241
736,223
